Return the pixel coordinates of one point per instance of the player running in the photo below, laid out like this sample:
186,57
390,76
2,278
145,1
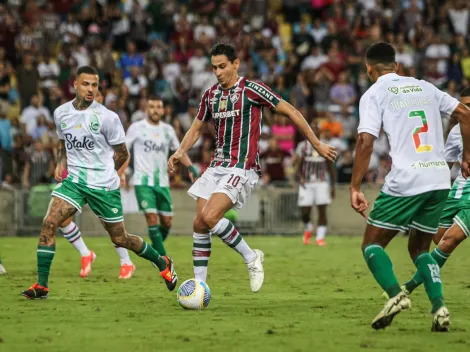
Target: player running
235,105
316,187
72,233
151,141
93,138
454,224
414,193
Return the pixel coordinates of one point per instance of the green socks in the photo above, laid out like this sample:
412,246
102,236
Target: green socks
155,235
381,267
440,258
45,255
430,273
164,231
151,254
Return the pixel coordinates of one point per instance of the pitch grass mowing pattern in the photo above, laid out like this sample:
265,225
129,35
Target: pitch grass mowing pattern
313,299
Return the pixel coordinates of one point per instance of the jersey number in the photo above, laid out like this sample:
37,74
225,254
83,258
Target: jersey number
420,148
234,180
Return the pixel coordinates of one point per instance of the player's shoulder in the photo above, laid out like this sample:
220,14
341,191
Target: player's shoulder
63,109
103,112
166,126
250,83
137,125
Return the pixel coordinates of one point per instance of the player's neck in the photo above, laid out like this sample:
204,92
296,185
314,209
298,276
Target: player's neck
153,123
81,104
231,83
383,73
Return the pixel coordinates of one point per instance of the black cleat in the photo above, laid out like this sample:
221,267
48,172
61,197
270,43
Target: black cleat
36,292
169,274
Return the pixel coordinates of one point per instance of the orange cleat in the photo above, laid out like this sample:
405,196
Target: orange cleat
86,264
320,243
307,236
126,271
36,292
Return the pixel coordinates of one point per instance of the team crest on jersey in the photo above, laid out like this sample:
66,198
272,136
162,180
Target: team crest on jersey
394,90
95,124
234,98
223,104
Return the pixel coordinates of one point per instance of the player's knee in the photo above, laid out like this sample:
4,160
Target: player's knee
198,225
449,243
120,241
210,218
50,224
152,219
166,222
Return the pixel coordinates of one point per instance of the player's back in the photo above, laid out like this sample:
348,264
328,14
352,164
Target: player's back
409,111
88,136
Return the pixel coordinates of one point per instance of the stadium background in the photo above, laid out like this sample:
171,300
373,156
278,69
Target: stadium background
309,51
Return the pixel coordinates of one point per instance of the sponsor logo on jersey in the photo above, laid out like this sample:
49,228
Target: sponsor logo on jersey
225,114
439,164
410,88
78,126
152,146
394,90
63,125
261,90
94,124
223,104
400,104
79,144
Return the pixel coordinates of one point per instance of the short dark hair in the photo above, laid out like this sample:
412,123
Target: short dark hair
154,97
380,53
86,70
225,49
465,92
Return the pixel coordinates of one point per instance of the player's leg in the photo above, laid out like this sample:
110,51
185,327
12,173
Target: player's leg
201,243
59,210
322,200
72,234
165,213
305,202
2,269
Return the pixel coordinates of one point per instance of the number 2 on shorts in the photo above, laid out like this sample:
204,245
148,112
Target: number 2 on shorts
420,148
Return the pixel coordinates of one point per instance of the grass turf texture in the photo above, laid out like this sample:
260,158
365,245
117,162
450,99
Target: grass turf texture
312,299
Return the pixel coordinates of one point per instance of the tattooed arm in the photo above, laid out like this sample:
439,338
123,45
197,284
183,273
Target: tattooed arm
61,161
121,156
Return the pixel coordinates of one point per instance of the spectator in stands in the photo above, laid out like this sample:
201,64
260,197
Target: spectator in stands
129,59
331,125
30,114
41,128
27,78
5,84
284,133
39,168
273,160
343,93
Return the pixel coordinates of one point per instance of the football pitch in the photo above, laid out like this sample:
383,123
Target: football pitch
313,299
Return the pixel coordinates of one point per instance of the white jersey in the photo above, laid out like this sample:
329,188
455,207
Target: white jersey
151,145
409,111
454,153
89,136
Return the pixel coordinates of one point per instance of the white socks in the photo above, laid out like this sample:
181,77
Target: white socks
201,254
73,235
321,232
123,254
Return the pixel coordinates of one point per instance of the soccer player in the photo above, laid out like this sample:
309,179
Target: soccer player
317,187
151,140
2,269
454,223
72,233
414,193
235,105
94,141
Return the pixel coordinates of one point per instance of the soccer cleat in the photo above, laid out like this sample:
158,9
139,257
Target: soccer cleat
403,289
126,271
2,270
36,292
441,320
86,264
394,306
320,243
307,236
169,274
256,271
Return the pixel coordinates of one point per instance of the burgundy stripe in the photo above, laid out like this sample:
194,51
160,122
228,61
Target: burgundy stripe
197,253
76,239
74,227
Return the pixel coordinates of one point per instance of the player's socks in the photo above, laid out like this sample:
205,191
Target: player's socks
321,232
439,256
123,256
152,255
430,272
72,233
157,239
308,226
164,231
380,265
45,255
201,254
232,238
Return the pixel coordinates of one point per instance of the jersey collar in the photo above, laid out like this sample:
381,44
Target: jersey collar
387,76
233,87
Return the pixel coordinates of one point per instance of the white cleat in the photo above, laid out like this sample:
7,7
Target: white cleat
256,271
441,320
2,270
394,306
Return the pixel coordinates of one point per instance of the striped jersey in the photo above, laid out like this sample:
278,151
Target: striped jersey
453,153
237,114
314,167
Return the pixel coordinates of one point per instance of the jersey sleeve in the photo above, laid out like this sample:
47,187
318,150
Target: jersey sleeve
446,103
370,115
131,136
174,141
57,125
453,145
112,129
261,94
204,114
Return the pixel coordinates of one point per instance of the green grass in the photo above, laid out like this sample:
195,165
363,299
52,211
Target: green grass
313,299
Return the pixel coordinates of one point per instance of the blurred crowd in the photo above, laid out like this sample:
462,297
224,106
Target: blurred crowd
309,51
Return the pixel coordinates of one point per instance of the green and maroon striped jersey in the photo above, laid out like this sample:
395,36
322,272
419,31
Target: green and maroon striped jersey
237,114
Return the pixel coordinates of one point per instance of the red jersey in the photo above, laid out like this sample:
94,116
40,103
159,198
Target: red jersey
237,114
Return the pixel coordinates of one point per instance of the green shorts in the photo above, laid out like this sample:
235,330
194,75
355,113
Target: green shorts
421,211
105,204
154,199
456,210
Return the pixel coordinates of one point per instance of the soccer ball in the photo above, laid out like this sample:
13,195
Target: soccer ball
193,294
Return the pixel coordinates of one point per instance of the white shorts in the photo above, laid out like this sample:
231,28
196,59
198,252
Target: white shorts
317,193
236,183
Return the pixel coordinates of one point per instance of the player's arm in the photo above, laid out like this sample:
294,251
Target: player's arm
61,161
462,115
121,157
284,108
332,173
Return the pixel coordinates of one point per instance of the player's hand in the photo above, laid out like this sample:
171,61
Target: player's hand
174,159
193,173
327,151
59,171
359,202
465,168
